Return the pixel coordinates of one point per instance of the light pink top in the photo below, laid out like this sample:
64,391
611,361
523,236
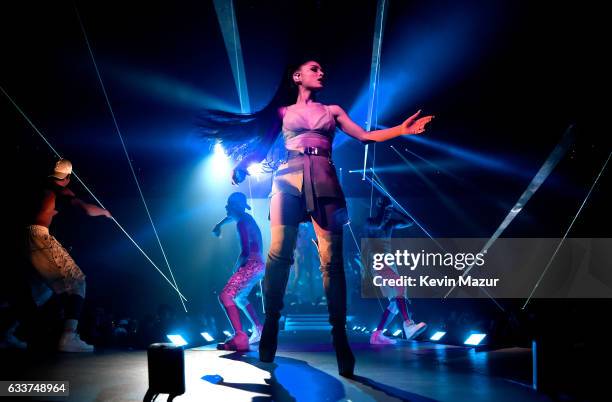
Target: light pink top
310,125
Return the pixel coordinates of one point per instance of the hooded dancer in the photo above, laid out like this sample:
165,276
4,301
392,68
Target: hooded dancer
305,187
54,267
250,271
381,226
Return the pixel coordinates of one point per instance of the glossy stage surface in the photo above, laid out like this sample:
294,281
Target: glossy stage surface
304,370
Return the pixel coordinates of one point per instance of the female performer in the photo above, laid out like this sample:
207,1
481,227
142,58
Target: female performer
305,187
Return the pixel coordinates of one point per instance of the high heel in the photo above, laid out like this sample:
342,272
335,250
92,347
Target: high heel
344,354
269,341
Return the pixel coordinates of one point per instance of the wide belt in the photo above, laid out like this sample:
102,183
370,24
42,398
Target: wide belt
307,153
310,151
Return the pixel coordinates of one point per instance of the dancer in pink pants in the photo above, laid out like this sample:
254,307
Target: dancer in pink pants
250,271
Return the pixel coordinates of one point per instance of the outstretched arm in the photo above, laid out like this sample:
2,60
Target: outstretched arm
412,125
217,229
90,209
398,219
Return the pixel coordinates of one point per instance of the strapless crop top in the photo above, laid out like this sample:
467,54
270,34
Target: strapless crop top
311,119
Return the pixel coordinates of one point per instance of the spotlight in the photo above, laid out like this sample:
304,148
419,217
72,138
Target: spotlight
177,340
218,150
207,337
255,169
474,339
355,328
437,336
220,161
396,333
227,333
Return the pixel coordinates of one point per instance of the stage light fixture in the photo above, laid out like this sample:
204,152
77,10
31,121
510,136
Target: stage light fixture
474,339
220,161
227,333
207,336
177,340
397,332
437,336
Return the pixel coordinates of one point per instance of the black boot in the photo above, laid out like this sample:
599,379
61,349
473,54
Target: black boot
269,340
344,354
334,283
280,259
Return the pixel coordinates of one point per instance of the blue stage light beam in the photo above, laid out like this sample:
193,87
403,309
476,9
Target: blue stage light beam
76,176
381,11
436,167
168,89
468,155
420,58
549,164
177,340
448,203
403,168
125,151
437,336
227,21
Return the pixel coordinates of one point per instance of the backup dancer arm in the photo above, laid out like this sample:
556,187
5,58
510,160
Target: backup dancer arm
412,125
90,209
399,219
217,229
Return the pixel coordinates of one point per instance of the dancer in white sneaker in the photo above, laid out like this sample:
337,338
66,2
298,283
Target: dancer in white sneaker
54,268
381,226
250,271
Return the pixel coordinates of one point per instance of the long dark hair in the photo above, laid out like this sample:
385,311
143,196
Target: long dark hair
249,136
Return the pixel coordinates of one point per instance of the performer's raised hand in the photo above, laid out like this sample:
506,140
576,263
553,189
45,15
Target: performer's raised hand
414,124
217,231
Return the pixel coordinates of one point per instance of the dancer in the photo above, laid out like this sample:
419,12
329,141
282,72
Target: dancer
381,227
249,273
54,268
305,187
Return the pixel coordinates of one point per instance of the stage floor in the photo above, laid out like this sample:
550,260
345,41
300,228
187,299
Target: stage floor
305,370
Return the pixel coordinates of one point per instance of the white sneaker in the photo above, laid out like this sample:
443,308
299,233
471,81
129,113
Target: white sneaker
256,334
412,330
71,342
377,338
